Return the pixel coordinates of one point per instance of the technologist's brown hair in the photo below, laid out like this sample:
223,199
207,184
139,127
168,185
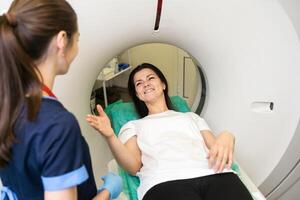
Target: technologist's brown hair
25,33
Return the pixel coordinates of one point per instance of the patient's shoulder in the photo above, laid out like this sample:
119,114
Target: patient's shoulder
193,115
129,125
127,131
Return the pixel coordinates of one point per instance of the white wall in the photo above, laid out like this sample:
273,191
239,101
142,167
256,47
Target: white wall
292,8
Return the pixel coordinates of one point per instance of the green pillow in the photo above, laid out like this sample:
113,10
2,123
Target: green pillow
122,112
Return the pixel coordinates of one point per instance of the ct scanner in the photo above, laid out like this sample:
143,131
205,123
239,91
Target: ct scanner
249,51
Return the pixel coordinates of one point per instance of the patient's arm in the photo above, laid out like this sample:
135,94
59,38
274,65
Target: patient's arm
128,155
220,149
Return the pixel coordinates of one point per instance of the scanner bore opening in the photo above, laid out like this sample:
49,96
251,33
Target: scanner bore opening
185,77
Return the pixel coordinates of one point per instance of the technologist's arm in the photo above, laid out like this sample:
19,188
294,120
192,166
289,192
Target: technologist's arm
127,155
220,148
111,187
71,194
66,194
103,195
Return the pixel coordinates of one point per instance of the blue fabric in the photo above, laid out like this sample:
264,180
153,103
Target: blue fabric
68,180
7,194
50,146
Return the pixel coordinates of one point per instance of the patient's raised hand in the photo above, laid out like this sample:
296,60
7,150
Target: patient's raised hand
101,123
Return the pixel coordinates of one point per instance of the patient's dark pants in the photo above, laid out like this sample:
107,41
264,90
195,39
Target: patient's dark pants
224,186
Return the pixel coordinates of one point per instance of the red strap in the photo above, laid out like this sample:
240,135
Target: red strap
48,91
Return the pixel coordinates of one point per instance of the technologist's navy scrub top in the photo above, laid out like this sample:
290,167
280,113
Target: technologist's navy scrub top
49,154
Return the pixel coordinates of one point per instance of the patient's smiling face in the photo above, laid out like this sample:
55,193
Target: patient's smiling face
148,86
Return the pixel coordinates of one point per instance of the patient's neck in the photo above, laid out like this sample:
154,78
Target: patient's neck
157,107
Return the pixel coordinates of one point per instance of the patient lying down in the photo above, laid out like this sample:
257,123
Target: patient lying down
174,154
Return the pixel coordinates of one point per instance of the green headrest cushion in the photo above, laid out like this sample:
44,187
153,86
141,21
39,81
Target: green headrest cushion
121,112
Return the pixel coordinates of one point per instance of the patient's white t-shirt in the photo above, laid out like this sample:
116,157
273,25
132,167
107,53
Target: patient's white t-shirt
172,147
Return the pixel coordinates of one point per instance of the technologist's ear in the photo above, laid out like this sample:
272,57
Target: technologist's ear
164,87
61,41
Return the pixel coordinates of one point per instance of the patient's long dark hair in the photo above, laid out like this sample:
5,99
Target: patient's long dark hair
140,105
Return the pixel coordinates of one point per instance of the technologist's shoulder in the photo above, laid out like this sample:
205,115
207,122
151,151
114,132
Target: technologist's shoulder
65,119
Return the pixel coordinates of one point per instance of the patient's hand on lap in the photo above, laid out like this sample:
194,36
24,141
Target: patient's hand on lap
101,123
221,153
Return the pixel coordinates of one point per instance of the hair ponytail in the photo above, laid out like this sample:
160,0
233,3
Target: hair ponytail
17,80
25,33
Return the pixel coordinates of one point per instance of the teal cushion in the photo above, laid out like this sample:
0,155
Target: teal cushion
122,112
